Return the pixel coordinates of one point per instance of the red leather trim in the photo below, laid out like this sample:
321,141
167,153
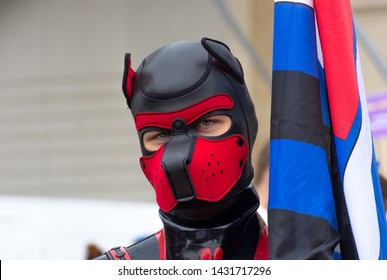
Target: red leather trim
262,252
218,253
189,114
160,238
126,255
205,254
114,254
129,79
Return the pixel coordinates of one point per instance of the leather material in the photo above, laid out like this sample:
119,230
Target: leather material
182,80
202,184
236,235
201,170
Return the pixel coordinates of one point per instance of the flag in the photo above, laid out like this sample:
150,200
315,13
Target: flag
324,196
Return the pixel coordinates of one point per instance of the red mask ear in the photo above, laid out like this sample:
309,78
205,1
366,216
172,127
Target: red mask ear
127,79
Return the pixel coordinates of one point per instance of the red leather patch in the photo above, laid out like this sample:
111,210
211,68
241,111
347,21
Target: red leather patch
262,252
213,171
129,78
154,172
226,169
206,254
218,253
160,239
217,165
189,114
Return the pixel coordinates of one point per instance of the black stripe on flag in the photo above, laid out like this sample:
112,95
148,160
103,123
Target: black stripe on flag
296,108
294,237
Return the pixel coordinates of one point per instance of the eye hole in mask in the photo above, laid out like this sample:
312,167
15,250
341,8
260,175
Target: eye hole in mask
211,126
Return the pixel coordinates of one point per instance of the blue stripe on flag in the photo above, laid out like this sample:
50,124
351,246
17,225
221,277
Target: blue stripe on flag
346,146
295,43
324,97
300,175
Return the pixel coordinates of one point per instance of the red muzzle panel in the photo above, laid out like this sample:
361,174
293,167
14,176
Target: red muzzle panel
215,168
217,165
154,172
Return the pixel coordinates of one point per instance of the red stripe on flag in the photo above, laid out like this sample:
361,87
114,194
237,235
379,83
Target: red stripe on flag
335,27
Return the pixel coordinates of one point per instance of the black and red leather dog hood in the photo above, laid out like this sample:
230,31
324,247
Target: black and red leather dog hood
175,87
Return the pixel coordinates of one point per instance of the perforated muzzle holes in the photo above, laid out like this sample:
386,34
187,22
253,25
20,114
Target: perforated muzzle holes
215,168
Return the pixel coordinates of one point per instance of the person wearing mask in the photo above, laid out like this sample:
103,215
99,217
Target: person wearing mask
196,125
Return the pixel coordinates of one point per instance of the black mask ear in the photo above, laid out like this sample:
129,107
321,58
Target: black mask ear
221,52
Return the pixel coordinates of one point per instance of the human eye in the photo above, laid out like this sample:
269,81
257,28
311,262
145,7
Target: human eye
213,126
162,136
205,124
154,139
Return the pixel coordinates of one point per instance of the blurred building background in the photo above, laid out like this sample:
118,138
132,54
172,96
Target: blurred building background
65,130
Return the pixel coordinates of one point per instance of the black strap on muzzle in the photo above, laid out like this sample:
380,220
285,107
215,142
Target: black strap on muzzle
176,158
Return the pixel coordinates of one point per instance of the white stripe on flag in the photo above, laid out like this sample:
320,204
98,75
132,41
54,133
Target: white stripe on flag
359,191
318,44
309,3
